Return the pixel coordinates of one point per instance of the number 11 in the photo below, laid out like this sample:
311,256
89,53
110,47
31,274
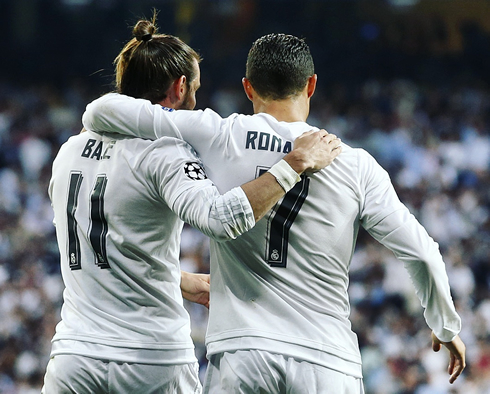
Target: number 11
98,228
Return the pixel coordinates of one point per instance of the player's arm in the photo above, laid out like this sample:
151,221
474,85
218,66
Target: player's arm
135,117
196,200
391,223
118,113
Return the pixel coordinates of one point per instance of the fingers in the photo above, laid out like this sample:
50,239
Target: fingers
331,139
324,133
317,150
307,133
335,143
452,363
457,352
436,346
456,366
321,133
318,139
436,343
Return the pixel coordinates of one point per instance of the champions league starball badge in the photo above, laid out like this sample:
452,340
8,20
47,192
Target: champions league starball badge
194,171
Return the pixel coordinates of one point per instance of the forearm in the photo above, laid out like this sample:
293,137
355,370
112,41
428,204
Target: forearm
421,257
185,281
125,115
220,217
264,192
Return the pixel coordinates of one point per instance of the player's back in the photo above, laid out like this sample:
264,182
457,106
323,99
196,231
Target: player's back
119,245
283,285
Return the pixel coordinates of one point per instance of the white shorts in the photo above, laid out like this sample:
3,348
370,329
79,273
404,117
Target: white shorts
256,371
85,375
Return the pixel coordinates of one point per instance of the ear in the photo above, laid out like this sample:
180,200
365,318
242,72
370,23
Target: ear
249,90
178,88
312,85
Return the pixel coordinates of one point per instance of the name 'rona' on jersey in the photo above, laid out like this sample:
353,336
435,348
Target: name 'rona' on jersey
283,285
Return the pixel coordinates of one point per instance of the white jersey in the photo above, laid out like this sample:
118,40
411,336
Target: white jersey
282,286
118,204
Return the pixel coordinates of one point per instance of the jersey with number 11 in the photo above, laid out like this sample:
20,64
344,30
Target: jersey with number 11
118,208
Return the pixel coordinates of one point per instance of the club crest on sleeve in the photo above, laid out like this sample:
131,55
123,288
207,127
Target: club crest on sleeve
194,171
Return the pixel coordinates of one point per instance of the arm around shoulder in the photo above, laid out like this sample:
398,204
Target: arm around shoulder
312,151
117,113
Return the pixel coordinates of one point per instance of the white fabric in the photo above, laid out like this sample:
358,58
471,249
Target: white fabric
127,305
256,371
78,374
296,305
285,175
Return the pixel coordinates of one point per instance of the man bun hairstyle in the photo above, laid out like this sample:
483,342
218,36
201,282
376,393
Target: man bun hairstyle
144,30
149,63
279,65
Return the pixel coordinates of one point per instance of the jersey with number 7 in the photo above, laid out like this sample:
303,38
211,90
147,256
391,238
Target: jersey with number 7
282,287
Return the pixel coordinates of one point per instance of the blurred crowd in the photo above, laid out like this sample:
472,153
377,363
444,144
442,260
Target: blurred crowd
405,86
435,144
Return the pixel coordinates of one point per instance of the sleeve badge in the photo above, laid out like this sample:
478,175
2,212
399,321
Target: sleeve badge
194,171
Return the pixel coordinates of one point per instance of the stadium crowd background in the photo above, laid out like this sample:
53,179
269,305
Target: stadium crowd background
408,80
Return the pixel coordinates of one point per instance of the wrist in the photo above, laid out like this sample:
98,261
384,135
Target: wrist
296,160
285,175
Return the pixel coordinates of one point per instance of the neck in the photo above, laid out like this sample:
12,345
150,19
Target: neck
168,103
288,110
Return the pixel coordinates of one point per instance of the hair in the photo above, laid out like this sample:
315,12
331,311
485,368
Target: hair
149,63
279,65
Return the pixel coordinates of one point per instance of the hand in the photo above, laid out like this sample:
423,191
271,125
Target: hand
313,150
195,288
457,351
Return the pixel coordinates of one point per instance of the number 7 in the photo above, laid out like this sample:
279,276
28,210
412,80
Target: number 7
282,220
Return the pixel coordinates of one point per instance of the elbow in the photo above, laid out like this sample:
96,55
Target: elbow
229,217
223,231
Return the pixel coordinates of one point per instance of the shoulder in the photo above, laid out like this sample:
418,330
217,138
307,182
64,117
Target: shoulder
195,114
360,155
170,160
168,149
115,98
368,170
78,140
356,165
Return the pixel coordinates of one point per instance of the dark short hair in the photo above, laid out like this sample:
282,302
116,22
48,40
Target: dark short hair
149,63
279,65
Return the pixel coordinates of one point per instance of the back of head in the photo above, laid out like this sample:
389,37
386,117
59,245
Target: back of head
149,63
279,65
